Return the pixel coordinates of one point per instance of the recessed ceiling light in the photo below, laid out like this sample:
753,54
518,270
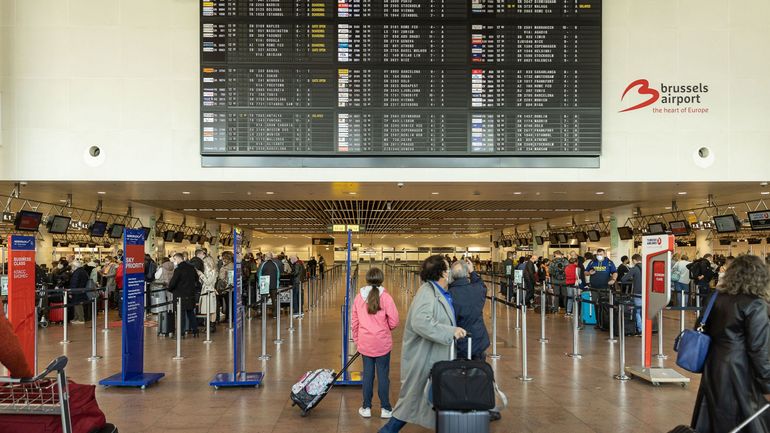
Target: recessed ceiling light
62,201
434,193
186,192
668,207
269,193
599,192
763,184
765,193
101,192
588,221
352,193
517,193
682,193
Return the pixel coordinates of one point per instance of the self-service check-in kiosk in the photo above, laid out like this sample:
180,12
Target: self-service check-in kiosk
656,294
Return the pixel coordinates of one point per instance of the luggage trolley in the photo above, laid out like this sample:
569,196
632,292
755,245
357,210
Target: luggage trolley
39,395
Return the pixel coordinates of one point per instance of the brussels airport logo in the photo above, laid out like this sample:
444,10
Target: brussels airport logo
665,98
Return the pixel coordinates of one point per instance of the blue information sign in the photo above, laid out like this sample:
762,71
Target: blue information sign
132,373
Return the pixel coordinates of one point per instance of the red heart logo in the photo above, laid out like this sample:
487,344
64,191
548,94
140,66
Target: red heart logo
644,89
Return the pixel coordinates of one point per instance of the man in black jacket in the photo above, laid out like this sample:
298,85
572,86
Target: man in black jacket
530,279
271,269
634,276
469,294
183,285
509,265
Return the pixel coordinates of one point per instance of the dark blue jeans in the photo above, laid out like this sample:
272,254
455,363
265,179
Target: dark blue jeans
295,293
393,426
382,365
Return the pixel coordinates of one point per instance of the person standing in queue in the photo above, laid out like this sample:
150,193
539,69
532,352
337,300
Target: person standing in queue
557,273
634,276
298,275
736,378
530,279
224,285
78,283
428,333
271,269
184,284
469,295
601,272
321,266
373,319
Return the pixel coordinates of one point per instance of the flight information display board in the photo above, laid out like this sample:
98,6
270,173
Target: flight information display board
401,78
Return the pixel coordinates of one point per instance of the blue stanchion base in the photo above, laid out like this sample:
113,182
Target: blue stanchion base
228,380
352,378
139,381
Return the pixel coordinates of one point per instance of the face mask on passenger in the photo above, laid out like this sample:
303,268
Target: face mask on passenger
599,258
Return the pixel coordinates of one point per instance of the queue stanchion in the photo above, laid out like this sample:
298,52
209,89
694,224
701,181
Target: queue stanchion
524,373
94,356
178,331
612,338
518,309
660,354
65,301
106,313
208,318
230,309
575,354
494,354
291,314
278,339
542,338
264,356
251,302
681,312
622,376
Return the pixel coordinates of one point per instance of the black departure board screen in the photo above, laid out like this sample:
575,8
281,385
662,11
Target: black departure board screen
401,78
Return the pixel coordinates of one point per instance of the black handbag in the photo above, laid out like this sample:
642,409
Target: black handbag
462,384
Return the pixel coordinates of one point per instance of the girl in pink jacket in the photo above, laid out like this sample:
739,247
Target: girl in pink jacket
374,317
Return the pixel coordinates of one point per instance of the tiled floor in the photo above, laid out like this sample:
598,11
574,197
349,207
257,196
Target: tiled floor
566,395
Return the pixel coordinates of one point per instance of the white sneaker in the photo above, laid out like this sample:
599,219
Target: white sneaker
386,414
365,412
77,322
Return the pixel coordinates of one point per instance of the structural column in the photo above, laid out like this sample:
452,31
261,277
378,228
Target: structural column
703,243
618,247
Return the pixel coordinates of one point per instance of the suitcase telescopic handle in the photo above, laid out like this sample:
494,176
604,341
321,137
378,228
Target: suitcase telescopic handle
453,349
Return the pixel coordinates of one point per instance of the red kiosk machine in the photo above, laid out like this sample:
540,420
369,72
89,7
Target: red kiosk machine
656,279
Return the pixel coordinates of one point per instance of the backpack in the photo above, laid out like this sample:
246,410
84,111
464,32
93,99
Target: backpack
149,273
695,269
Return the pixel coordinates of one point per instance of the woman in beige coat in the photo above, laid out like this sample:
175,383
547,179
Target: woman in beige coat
428,333
208,300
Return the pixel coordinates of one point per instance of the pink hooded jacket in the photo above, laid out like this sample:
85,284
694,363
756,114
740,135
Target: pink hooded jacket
371,332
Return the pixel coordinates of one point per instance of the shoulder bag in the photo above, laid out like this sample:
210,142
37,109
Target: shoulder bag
692,345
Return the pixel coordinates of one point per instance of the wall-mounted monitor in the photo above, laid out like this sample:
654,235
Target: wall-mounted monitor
27,220
581,237
168,236
754,241
116,231
594,235
727,223
146,233
725,242
179,236
562,238
760,220
625,233
194,238
496,244
539,240
553,238
58,225
679,228
656,229
97,229
518,242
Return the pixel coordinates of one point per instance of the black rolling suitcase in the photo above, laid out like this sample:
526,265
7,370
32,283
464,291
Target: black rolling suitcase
463,393
166,323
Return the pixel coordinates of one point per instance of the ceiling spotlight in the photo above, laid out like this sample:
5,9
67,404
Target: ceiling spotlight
101,192
434,193
517,193
765,193
761,184
668,207
269,193
186,192
682,193
352,193
599,192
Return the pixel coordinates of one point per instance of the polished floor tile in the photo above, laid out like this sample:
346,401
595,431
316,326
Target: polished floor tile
566,395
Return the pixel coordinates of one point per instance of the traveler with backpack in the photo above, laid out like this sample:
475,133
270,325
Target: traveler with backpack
373,319
558,275
530,279
298,276
702,273
680,276
572,283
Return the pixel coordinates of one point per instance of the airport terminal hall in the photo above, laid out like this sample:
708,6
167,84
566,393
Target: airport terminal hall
380,216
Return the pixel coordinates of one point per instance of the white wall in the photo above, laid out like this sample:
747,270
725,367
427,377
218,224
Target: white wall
123,75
